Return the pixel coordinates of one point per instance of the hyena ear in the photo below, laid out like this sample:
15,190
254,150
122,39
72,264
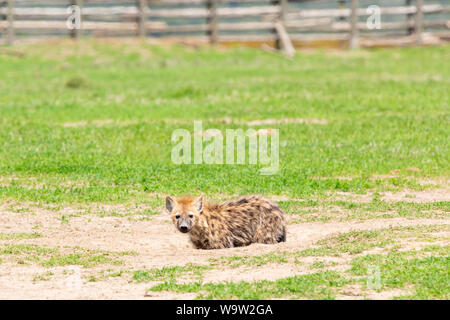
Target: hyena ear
199,204
170,204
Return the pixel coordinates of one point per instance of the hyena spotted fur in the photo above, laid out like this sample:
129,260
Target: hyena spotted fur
236,223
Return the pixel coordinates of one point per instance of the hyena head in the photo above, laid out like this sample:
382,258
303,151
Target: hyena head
184,212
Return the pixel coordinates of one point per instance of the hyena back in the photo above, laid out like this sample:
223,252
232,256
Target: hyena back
249,219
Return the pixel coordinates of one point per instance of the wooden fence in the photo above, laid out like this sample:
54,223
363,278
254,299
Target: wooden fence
220,21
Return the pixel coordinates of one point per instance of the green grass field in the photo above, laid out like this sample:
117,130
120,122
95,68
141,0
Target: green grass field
385,110
91,123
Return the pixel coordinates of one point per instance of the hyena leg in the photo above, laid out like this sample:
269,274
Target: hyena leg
282,237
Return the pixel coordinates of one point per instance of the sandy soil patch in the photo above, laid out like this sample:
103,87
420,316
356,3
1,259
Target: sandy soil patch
156,243
435,195
272,271
269,271
355,292
351,197
286,121
101,123
17,283
424,196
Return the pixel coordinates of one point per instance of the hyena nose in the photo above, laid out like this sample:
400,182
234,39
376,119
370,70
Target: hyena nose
184,225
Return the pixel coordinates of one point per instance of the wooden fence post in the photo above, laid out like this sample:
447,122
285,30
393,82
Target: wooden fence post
10,17
282,5
409,18
283,41
75,33
419,22
2,17
354,32
283,10
341,5
142,18
212,21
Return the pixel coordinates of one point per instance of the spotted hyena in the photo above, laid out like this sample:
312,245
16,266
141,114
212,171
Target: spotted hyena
249,219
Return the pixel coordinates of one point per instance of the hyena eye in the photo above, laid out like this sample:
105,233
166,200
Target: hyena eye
191,216
177,216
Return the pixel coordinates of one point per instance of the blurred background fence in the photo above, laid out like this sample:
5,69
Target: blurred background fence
305,22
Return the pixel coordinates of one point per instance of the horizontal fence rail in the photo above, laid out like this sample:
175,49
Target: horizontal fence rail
224,20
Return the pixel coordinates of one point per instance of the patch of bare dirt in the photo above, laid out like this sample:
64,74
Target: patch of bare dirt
434,182
343,178
272,271
435,195
355,292
16,282
100,123
157,243
265,272
287,120
337,52
351,196
424,196
418,245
